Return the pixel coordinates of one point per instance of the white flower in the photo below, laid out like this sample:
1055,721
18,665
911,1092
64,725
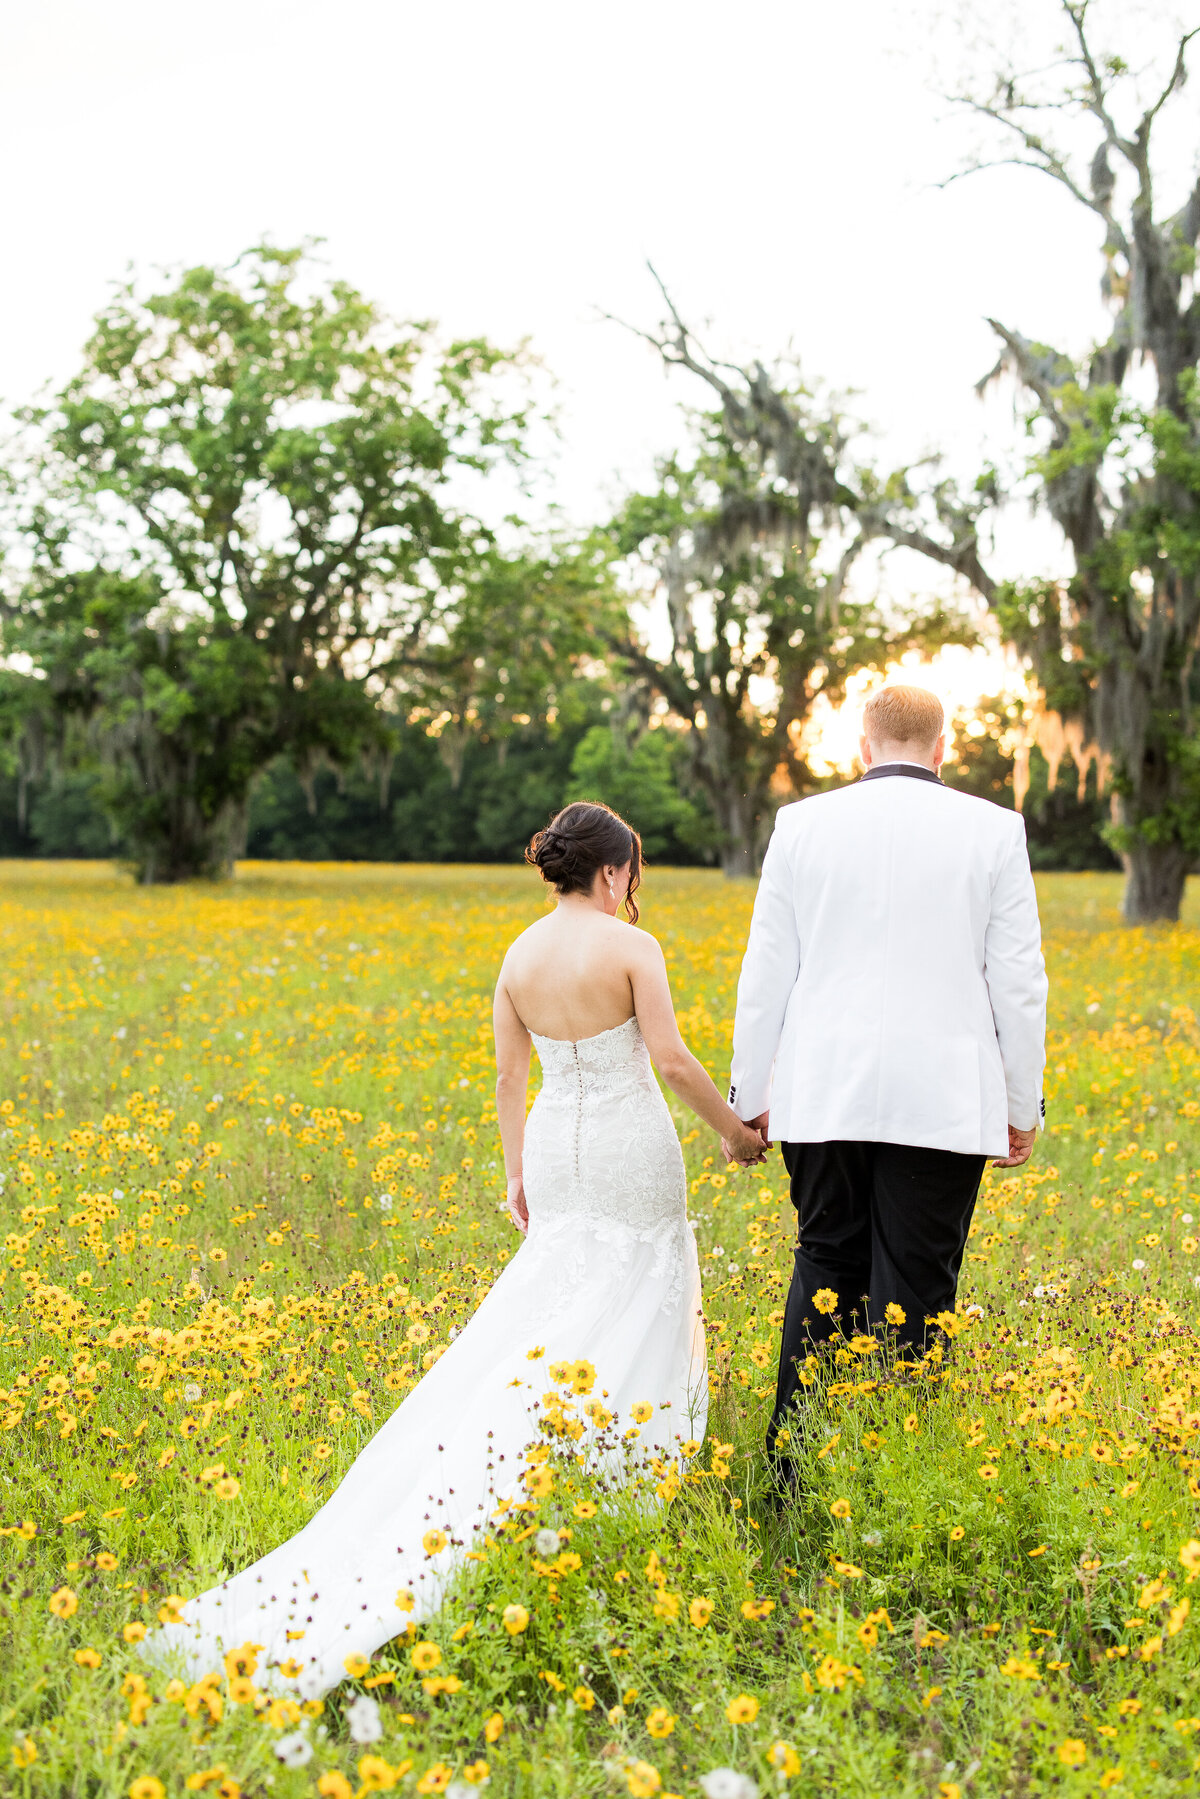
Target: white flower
366,1725
458,1789
1095,1006
727,1783
191,1391
118,1193
384,1202
311,1686
547,1542
295,1750
734,1268
717,1250
1186,1217
1138,1263
872,1538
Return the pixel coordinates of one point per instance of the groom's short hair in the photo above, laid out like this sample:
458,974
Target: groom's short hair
904,715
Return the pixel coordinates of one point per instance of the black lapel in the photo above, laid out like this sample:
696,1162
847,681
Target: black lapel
902,768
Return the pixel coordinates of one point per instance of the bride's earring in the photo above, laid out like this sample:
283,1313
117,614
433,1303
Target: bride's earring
611,894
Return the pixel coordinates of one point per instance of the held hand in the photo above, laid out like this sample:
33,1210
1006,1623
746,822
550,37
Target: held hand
1020,1147
748,1146
518,1211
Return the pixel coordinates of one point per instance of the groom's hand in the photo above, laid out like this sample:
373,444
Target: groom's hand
742,1160
1020,1147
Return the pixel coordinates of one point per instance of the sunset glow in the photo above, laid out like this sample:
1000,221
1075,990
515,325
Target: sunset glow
960,677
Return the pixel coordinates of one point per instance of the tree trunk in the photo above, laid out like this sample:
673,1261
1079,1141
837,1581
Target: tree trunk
738,816
1155,874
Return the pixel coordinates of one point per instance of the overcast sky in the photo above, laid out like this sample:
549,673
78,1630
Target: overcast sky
508,168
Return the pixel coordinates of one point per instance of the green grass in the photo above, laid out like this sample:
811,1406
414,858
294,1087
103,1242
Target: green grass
978,1584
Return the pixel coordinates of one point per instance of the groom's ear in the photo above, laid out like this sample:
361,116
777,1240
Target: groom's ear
864,750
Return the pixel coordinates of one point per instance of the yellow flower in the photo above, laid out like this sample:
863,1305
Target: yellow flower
641,1411
1072,1752
88,1658
784,1760
476,1773
243,1661
585,1509
825,1300
64,1603
895,1314
333,1785
356,1666
949,1789
840,1508
700,1611
742,1710
584,1698
170,1611
1189,1557
1111,1777
433,1542
106,1560
493,1727
436,1779
424,1656
957,1533
1020,1668
757,1609
642,1780
1177,1617
147,1786
405,1599
515,1619
376,1774
988,1471
1154,1593
660,1722
134,1633
912,1423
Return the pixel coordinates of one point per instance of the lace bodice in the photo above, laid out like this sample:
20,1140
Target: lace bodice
599,1139
614,1054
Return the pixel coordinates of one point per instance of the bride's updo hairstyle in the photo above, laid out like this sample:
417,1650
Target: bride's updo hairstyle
581,840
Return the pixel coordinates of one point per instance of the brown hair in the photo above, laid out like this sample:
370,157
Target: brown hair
580,840
904,715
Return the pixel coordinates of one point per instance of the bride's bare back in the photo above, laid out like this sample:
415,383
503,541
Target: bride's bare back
570,975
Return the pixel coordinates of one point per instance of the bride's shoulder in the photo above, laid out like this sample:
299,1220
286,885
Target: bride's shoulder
639,944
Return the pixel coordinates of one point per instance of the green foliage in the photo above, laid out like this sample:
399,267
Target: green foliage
640,778
751,544
240,538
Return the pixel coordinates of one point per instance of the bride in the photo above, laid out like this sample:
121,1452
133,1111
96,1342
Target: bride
607,1276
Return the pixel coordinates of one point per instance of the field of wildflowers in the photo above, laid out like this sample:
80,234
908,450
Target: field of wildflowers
251,1184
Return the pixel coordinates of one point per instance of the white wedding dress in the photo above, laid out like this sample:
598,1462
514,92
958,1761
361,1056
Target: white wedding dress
608,1274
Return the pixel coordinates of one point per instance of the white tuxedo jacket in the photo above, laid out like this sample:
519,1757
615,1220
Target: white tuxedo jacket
893,988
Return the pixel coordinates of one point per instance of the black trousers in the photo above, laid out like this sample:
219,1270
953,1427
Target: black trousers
881,1224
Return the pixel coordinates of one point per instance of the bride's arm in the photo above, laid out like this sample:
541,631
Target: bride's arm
512,1083
675,1062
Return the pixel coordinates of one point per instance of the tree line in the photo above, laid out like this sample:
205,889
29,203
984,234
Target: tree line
249,561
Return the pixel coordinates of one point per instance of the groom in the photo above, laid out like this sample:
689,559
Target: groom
890,1029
